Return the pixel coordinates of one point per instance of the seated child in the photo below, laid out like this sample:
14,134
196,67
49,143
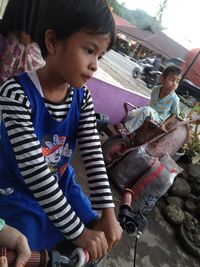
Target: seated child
43,114
164,103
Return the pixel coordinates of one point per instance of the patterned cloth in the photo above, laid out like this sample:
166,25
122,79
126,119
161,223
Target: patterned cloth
17,58
159,110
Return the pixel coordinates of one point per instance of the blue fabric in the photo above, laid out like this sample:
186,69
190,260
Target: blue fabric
165,106
17,204
159,110
135,118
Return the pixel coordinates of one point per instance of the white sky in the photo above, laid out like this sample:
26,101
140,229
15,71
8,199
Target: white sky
181,18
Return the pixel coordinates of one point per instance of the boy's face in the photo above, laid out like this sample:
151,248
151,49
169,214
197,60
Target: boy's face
170,83
75,59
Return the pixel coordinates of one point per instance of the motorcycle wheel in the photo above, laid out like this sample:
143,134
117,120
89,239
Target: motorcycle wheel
113,147
150,85
135,73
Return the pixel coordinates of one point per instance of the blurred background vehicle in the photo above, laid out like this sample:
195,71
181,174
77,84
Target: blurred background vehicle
148,71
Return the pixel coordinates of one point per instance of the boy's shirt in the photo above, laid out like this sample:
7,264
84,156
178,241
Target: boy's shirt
167,106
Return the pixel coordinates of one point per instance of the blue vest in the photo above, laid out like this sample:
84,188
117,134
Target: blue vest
18,206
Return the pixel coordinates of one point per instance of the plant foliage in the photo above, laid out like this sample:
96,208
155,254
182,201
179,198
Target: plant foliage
192,147
137,17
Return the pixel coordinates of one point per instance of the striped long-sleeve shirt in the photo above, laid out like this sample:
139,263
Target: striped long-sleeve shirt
16,114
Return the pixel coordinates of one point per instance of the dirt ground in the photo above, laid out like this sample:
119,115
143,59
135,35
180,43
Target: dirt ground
157,247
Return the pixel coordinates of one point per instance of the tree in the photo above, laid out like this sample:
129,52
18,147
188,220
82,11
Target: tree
117,8
137,17
140,18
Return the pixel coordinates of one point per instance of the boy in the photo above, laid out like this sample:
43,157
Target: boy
164,103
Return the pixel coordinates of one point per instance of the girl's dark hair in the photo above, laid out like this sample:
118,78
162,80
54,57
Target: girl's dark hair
67,17
171,69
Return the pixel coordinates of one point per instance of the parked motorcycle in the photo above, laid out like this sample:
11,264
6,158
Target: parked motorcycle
145,72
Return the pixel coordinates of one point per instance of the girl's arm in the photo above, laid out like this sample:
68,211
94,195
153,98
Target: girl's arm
16,115
91,153
100,192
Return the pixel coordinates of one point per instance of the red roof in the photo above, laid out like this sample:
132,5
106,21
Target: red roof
122,22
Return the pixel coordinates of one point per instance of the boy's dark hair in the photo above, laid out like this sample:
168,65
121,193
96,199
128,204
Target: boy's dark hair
171,69
67,17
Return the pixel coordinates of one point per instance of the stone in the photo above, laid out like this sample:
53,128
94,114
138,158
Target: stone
174,214
197,211
194,198
177,201
189,236
194,170
188,216
194,183
190,206
180,188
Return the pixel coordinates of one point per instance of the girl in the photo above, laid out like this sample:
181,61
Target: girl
42,115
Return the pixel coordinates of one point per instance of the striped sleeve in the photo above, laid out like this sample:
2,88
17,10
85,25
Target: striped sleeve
91,153
16,115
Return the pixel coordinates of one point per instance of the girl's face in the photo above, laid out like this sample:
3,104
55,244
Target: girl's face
170,83
75,59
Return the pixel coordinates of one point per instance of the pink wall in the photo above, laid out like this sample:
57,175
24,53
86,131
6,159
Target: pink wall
109,99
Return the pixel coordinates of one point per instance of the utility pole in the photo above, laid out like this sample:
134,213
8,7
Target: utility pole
161,9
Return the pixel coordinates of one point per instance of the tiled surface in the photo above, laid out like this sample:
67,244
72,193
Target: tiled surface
102,75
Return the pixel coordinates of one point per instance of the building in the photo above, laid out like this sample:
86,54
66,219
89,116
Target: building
148,40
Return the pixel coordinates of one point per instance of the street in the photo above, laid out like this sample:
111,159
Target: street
120,68
122,63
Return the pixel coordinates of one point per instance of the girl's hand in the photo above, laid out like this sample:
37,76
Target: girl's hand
3,261
94,242
110,226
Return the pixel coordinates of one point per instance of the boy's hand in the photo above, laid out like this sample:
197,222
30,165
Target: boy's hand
14,240
110,226
94,242
163,128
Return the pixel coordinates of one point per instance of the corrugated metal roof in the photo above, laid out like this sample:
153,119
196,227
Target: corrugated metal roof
153,39
158,41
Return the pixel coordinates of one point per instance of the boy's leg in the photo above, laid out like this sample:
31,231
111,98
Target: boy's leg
136,118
